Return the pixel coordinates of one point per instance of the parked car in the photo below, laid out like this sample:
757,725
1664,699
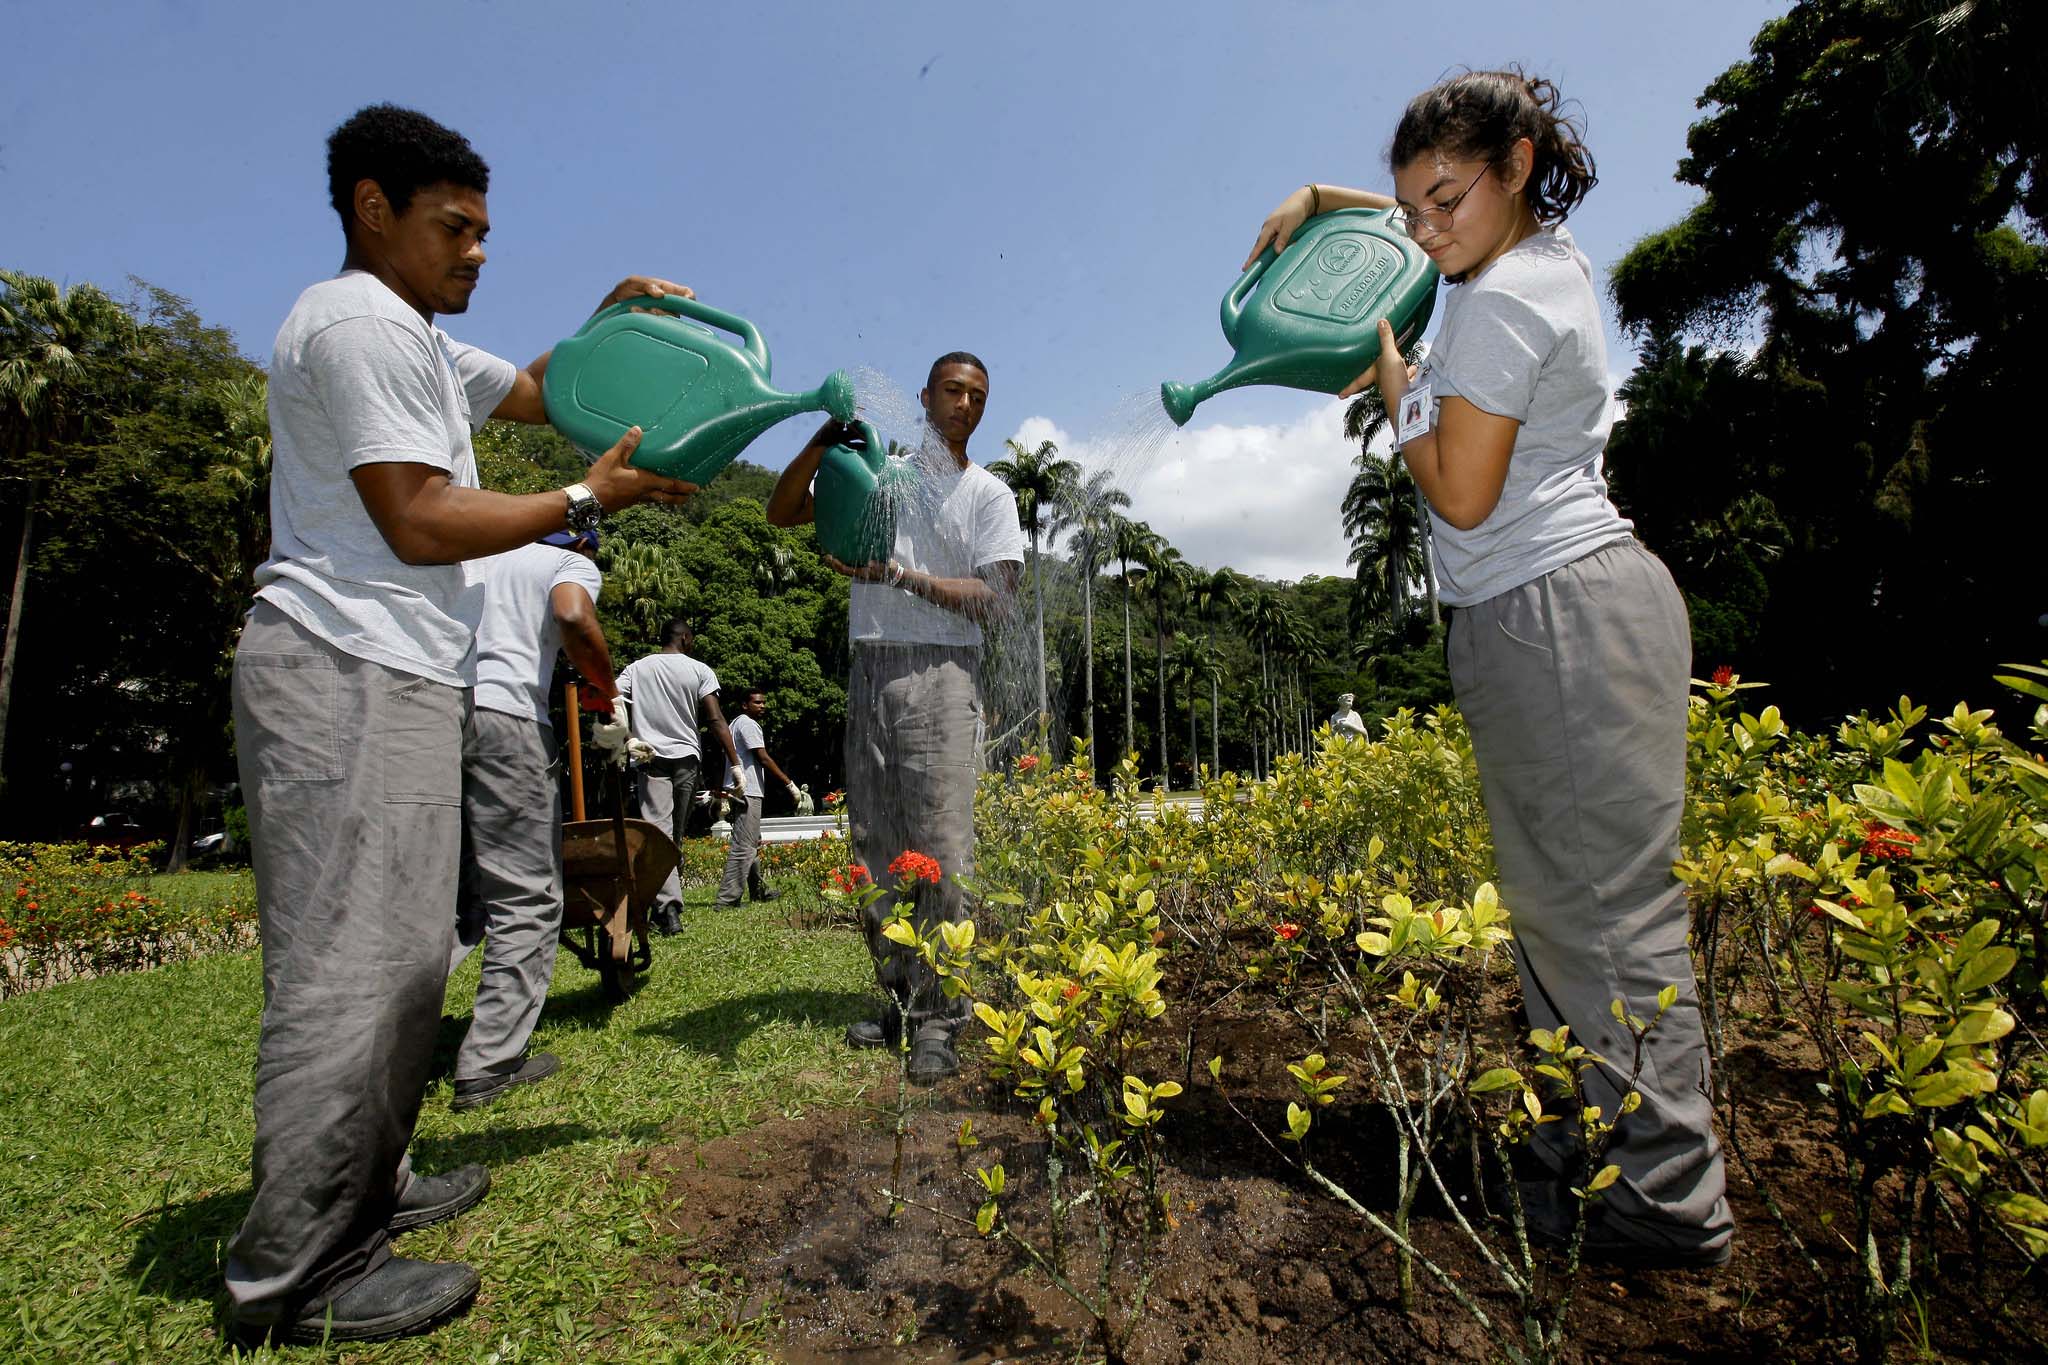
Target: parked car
115,830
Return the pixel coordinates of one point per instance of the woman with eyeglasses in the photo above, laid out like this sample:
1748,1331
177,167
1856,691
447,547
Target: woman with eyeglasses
1569,649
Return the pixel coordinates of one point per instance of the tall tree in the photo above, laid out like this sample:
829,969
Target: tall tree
1131,543
1214,596
1043,483
1388,533
1166,573
1091,517
1364,418
59,350
1874,406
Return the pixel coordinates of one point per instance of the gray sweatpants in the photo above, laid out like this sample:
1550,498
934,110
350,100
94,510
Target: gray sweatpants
1574,687
912,715
353,777
743,855
667,790
511,884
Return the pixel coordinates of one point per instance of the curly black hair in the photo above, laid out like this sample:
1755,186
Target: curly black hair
404,151
954,358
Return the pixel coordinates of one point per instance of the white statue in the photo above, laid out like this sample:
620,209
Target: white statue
1347,721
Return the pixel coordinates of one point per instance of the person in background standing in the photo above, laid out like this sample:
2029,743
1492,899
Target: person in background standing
742,859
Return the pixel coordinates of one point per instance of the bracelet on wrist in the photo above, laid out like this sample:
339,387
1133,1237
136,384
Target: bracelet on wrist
1315,199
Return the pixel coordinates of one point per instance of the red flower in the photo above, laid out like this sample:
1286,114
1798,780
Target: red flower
912,865
1027,763
1071,990
1289,931
1881,841
849,879
1306,803
1723,676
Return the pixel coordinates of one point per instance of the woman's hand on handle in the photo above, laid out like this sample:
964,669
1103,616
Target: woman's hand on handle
1281,225
1390,372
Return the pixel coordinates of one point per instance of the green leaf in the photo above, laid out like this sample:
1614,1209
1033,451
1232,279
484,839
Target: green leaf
985,1218
1499,1078
1939,1089
1298,1121
1606,1176
1982,1024
1666,998
1986,967
1216,1067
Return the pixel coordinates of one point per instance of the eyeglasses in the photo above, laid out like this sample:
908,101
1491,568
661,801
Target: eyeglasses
1437,217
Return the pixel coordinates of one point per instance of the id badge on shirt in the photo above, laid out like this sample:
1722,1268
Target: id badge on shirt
1418,414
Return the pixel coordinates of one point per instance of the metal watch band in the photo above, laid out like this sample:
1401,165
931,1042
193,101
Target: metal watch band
585,511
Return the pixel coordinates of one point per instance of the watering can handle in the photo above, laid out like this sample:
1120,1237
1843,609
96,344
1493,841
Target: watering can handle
690,308
1233,302
876,455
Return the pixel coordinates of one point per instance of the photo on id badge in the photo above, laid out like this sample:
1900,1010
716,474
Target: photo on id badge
1416,411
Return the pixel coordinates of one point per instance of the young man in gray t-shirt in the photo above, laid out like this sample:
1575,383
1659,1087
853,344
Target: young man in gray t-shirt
913,705
351,687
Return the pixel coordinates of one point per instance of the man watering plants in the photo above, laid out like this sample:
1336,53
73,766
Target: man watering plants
537,599
351,693
913,703
672,698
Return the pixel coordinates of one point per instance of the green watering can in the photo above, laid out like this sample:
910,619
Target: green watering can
697,399
1315,322
856,494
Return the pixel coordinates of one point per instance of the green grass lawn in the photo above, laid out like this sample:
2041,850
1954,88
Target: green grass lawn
127,1130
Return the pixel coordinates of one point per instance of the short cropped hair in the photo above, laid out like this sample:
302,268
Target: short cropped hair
678,632
404,151
954,358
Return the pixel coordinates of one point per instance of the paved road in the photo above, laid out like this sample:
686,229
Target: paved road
787,829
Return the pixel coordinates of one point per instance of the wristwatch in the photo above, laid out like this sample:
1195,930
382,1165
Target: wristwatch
585,511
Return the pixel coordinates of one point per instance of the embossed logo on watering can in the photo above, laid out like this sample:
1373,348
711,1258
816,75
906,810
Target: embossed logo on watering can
1338,279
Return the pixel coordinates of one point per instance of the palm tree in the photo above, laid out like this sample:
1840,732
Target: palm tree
775,568
1363,420
647,580
1388,534
1193,661
1130,543
1265,619
55,347
1043,483
1091,516
1213,596
1165,574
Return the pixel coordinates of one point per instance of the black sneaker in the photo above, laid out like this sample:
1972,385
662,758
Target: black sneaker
931,1061
396,1299
432,1199
668,923
765,894
536,1066
886,1031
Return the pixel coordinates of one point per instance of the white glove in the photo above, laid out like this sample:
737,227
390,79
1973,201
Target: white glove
639,751
610,736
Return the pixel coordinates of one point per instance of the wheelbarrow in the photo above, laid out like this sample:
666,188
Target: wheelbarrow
611,871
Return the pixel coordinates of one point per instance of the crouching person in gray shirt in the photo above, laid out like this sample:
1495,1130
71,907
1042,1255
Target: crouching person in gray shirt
537,599
351,689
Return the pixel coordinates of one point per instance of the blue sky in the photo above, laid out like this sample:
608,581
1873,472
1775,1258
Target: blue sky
1065,189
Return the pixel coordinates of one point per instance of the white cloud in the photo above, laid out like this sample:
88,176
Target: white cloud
1265,500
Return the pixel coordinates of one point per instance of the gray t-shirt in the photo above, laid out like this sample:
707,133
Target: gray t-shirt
664,692
518,636
747,737
359,378
957,522
1524,340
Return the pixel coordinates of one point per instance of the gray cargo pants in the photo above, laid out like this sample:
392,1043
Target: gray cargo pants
1574,687
743,855
667,791
353,777
511,884
912,716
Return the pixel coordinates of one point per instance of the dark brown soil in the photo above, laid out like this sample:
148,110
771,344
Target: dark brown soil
788,1220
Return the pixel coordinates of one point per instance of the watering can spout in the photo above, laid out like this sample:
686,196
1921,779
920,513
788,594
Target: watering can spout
1179,400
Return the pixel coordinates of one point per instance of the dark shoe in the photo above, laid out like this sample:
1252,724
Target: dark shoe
762,893
432,1199
931,1061
668,923
1616,1239
537,1066
396,1299
886,1031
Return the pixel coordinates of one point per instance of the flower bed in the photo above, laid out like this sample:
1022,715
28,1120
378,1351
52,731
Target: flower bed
73,910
